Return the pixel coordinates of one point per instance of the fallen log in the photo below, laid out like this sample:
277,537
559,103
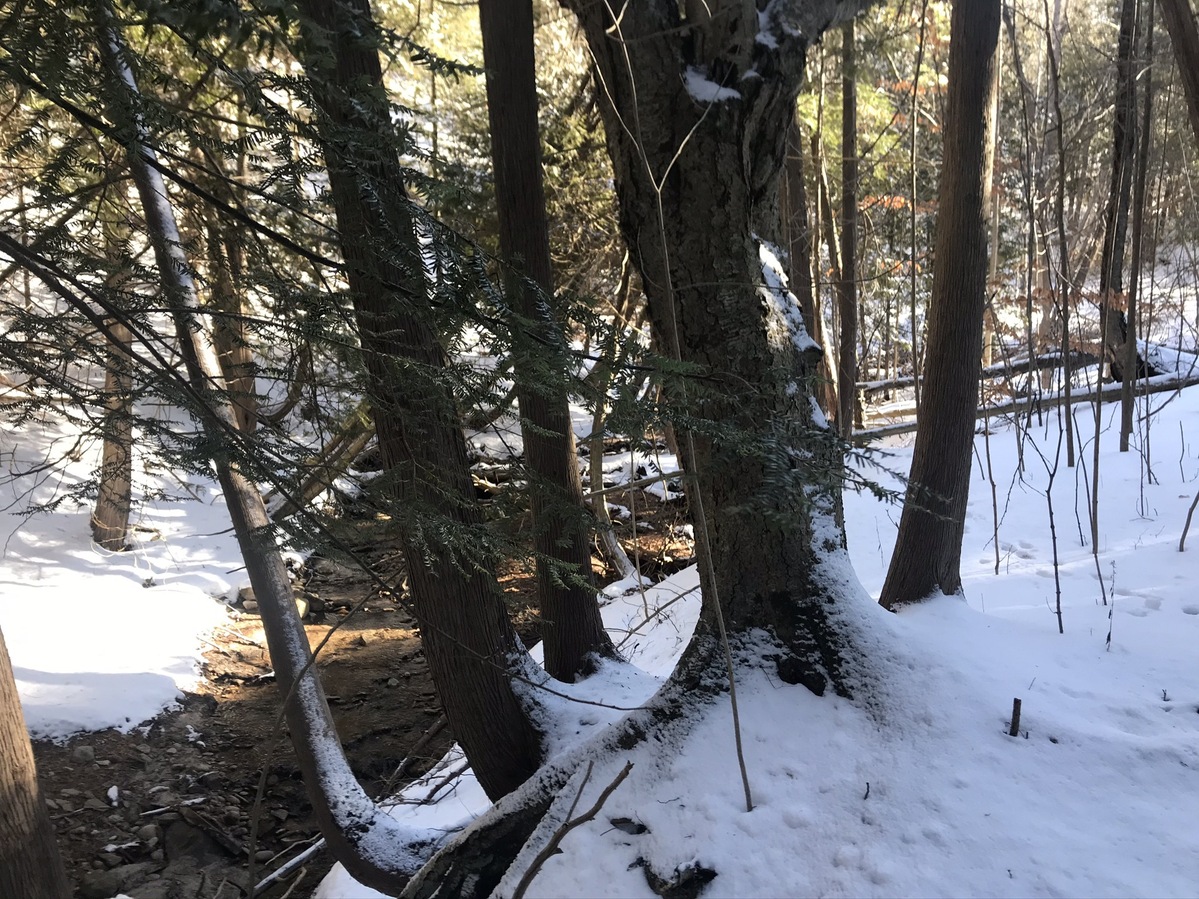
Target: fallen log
1108,393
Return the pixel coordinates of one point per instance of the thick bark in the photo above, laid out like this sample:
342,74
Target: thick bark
469,642
572,631
30,865
929,545
696,115
847,281
1184,36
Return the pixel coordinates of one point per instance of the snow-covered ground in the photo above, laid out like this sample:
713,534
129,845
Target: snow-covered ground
921,791
102,639
918,792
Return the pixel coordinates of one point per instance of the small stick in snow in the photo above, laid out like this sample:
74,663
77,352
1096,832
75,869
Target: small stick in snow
1014,730
570,824
1182,541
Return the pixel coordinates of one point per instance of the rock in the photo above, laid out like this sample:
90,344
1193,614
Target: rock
153,889
110,859
181,840
105,884
69,792
392,682
147,832
264,855
96,805
245,595
83,754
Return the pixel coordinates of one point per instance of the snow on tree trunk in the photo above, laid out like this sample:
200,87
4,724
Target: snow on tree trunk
697,114
373,846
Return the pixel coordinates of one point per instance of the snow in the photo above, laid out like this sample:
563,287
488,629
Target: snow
916,788
704,90
100,639
912,788
786,316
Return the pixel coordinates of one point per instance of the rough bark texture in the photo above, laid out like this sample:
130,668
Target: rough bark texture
572,630
30,866
929,545
471,647
697,114
1184,36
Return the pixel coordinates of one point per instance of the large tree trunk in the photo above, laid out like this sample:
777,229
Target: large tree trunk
572,630
472,650
230,332
30,865
697,113
929,545
1184,36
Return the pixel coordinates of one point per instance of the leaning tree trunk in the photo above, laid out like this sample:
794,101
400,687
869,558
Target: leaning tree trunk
928,548
374,847
697,113
30,865
572,630
472,650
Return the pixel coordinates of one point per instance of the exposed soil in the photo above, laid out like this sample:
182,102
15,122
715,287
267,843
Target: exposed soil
179,823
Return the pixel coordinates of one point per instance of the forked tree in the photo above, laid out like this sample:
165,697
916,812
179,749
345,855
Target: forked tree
928,549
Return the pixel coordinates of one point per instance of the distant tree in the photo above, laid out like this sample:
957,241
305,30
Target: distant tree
30,864
847,277
928,548
572,630
1114,323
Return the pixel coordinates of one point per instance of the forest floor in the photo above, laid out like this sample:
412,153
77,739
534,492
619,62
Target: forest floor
169,809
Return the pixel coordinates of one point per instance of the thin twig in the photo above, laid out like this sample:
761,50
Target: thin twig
570,824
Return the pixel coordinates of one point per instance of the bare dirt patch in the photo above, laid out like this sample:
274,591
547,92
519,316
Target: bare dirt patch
167,811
